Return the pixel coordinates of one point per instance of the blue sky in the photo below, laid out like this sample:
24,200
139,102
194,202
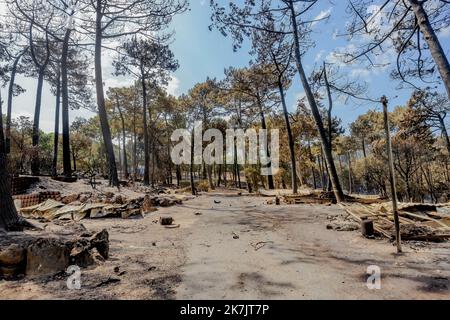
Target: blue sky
204,53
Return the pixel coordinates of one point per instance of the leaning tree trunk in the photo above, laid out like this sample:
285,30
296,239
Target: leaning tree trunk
10,100
329,119
392,181
35,170
134,145
67,170
56,136
106,131
444,133
179,176
207,168
264,127
145,128
169,169
191,166
337,189
290,138
349,160
433,43
9,218
74,158
124,141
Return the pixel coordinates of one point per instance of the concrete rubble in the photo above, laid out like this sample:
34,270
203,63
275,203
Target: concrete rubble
42,255
87,205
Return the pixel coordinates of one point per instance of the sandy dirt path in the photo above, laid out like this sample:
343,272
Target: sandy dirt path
239,247
286,252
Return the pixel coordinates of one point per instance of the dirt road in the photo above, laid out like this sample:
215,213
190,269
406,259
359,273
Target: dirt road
285,252
238,247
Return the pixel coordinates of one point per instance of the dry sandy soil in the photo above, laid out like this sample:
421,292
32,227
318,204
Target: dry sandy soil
243,248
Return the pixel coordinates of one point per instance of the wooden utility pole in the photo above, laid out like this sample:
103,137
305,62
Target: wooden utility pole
384,102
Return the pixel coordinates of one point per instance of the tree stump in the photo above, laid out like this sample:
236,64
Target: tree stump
166,221
367,228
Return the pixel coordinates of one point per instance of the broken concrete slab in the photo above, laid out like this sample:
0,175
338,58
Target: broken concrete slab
46,257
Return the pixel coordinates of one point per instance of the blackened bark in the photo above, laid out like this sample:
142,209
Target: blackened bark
178,174
10,101
56,131
337,189
74,158
264,127
134,145
392,181
35,166
106,131
311,158
67,170
349,173
146,137
290,138
444,132
432,40
124,152
9,218
191,166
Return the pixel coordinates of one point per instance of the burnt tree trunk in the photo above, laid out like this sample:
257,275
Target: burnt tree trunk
9,218
145,128
337,189
106,131
35,165
10,101
134,145
178,174
67,170
264,127
191,166
433,43
124,142
387,131
444,133
56,137
290,139
350,184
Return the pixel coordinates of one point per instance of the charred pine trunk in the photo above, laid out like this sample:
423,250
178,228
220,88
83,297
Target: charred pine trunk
290,138
9,218
436,50
124,141
35,163
337,189
444,133
145,128
264,127
134,145
103,116
191,166
391,173
56,137
67,170
10,101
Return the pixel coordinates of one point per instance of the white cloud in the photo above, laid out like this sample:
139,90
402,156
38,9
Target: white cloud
444,32
360,73
173,86
322,15
319,56
113,82
297,97
335,34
